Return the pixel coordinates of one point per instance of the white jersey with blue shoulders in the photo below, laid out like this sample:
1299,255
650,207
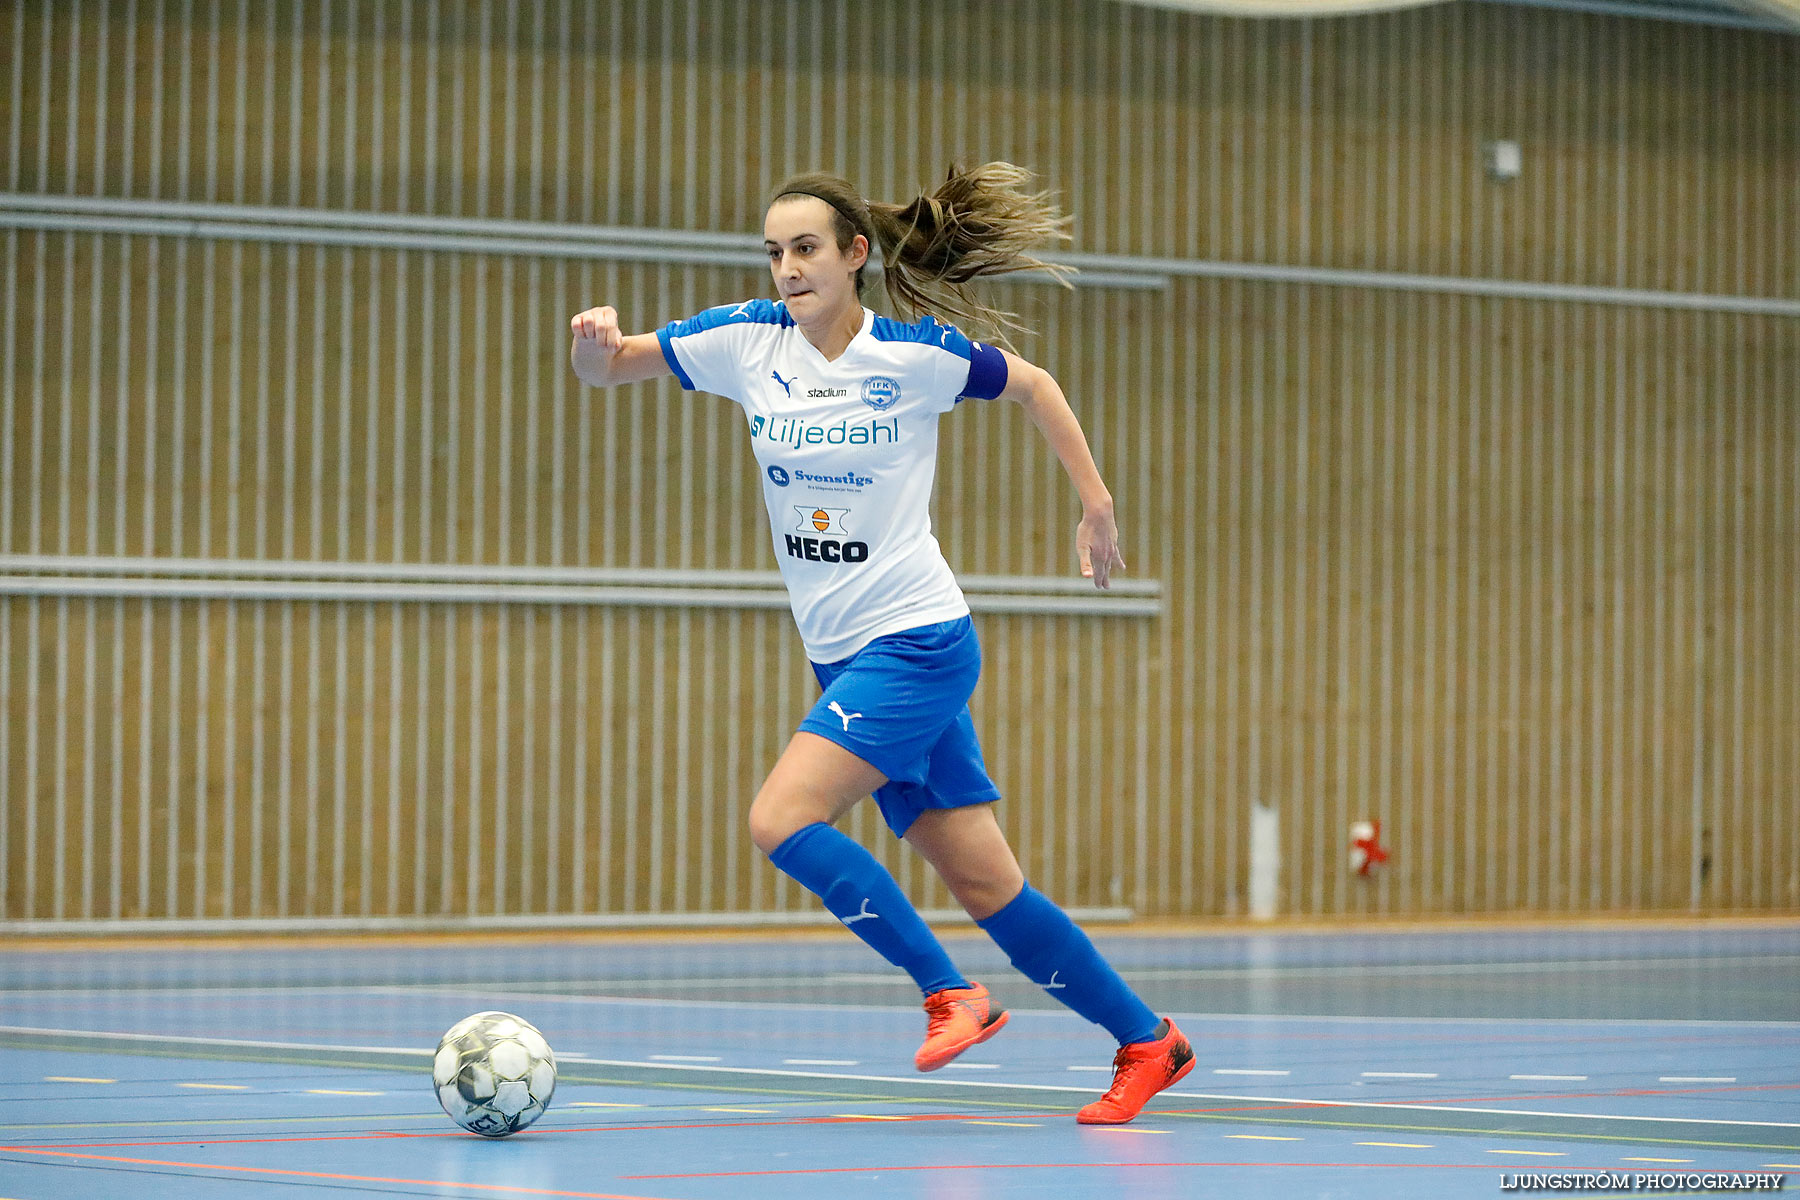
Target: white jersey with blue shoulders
848,452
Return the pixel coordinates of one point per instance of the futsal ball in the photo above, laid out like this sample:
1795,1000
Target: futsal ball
494,1073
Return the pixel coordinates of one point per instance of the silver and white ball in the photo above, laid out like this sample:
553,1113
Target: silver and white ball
494,1073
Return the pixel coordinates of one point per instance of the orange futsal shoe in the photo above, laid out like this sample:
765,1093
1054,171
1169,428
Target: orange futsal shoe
959,1018
1141,1070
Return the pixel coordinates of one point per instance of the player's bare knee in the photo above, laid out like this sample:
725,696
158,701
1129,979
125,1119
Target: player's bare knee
984,896
777,815
769,827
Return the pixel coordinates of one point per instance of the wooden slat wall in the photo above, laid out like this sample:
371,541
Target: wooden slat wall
1516,577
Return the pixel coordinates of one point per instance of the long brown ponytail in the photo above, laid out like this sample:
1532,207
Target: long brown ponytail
979,221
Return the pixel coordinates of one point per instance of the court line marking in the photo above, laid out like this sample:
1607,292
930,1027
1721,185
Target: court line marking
218,1087
1413,1146
435,1183
1263,1137
598,1104
1400,1075
1696,1079
1174,974
856,978
192,1122
1658,1160
1551,1078
1246,1071
1533,1153
1244,1116
341,1092
1008,1124
75,1079
1276,1104
1282,1101
1268,1116
1279,1101
822,1062
1259,1117
1110,1166
1059,1013
478,989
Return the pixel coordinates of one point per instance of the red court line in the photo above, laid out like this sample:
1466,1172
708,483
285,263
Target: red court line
1036,1166
631,1127
436,1183
657,1127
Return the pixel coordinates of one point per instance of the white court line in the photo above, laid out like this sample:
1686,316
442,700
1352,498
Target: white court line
1061,1013
1158,974
1058,1013
1399,1074
1551,1078
1535,967
1384,1105
1246,1071
683,1058
478,989
821,1062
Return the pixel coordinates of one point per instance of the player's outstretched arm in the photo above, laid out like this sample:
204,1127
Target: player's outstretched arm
1097,537
603,356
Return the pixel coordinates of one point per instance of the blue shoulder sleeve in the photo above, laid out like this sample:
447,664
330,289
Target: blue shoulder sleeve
704,359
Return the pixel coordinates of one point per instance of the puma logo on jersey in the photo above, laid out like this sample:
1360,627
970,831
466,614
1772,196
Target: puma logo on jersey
846,717
787,385
865,914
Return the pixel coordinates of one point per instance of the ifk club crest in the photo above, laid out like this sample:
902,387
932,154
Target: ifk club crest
880,392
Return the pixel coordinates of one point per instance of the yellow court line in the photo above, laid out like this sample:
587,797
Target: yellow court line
74,1079
218,1087
1784,1166
600,1104
1399,1145
1008,1124
1535,1153
340,1092
866,1117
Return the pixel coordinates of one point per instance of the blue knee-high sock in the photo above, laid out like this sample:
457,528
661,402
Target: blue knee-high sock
860,893
1051,950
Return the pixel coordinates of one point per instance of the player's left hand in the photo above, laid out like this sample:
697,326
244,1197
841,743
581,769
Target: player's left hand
1097,545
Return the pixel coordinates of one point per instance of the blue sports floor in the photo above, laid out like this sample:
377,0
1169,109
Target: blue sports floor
1390,1064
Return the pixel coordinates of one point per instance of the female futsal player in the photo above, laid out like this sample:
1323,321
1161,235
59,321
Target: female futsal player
843,407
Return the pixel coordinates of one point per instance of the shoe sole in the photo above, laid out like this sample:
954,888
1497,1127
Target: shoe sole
1179,1075
987,1031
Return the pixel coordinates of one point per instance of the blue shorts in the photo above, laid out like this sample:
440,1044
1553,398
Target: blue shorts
901,704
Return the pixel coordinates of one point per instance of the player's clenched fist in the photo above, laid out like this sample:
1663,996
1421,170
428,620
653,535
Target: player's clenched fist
597,343
598,325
